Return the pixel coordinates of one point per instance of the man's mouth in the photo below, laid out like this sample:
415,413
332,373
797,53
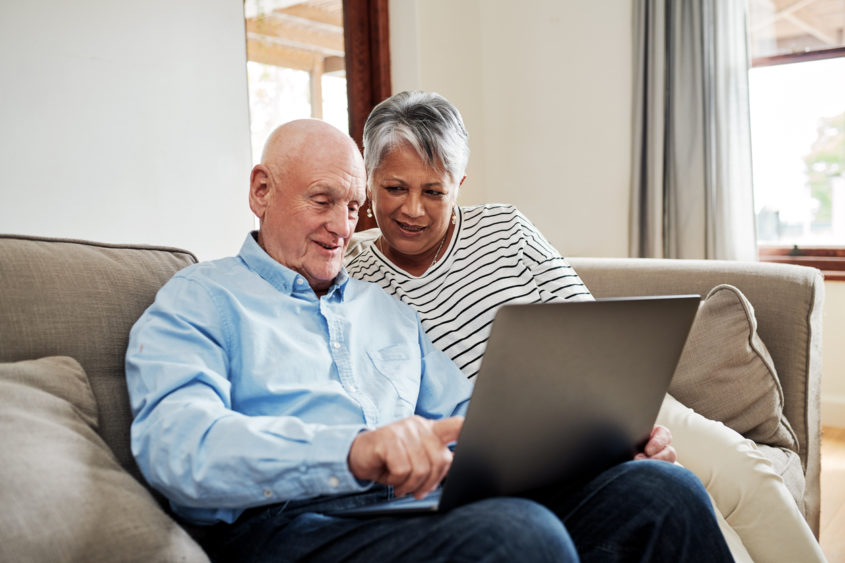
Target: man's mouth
328,246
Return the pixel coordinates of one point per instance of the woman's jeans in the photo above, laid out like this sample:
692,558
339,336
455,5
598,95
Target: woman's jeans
636,511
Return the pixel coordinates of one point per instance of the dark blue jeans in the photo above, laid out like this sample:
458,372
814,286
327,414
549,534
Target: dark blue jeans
636,511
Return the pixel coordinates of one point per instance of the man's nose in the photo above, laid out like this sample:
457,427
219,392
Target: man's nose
339,222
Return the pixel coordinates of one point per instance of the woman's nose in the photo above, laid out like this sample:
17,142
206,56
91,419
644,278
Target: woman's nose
412,206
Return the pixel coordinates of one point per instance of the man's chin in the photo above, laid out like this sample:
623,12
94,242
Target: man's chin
322,278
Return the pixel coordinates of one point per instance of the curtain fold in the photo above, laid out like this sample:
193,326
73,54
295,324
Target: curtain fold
691,193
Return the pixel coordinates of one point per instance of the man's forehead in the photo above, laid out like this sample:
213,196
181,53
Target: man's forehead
352,189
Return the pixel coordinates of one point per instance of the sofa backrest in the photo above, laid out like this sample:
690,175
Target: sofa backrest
80,299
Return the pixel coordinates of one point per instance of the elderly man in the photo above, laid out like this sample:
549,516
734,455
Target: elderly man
269,389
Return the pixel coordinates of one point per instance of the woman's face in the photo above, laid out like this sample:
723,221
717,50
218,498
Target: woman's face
412,203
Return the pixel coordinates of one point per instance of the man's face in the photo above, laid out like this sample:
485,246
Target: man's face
309,210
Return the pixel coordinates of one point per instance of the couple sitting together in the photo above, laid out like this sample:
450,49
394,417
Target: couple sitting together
271,388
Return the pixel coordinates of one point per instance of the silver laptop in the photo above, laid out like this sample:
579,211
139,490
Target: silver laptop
565,391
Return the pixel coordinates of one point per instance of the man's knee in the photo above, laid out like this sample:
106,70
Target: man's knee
514,529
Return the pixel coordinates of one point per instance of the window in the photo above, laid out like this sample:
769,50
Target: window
296,66
797,100
297,52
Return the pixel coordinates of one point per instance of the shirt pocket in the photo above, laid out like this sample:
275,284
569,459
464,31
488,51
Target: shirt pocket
400,369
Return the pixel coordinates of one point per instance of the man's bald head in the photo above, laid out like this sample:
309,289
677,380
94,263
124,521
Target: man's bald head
300,138
306,193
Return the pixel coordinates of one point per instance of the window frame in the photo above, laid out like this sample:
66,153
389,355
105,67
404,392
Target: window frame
804,57
829,259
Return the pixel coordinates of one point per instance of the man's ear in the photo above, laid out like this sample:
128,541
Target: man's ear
259,190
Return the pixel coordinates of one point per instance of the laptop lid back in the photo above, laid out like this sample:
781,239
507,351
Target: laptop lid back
565,391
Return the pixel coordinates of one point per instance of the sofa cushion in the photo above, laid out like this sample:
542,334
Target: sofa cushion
726,373
64,495
787,464
75,298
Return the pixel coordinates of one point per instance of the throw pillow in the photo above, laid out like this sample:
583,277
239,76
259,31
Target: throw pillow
64,495
726,373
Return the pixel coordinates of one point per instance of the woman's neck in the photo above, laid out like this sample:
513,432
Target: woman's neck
417,264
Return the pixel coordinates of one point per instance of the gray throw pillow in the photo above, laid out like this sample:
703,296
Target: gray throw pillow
726,373
64,496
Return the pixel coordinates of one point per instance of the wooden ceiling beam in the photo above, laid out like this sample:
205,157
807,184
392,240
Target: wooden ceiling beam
334,64
297,31
276,54
315,14
259,50
781,12
810,29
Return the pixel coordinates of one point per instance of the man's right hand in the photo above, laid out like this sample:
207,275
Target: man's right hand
410,454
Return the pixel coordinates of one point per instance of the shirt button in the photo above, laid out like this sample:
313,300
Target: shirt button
333,482
268,493
352,388
336,345
298,281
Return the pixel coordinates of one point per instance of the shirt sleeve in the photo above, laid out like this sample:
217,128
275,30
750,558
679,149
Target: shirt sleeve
188,441
444,390
554,276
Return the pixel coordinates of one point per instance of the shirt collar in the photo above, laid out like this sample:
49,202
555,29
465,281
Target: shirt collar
281,277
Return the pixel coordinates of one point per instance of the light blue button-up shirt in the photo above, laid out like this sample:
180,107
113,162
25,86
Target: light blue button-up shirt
247,389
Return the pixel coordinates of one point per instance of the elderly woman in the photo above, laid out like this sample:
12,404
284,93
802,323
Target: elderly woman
456,265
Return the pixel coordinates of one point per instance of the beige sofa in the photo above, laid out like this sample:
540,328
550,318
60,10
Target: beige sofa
70,488
787,303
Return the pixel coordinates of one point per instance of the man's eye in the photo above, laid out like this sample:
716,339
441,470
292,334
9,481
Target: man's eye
434,193
394,189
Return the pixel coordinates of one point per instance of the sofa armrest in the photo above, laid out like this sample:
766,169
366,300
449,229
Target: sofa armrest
787,301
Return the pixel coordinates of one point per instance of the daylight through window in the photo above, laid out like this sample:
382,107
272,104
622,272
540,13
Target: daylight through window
296,66
797,100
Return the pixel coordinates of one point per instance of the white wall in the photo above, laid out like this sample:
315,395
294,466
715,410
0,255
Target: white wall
125,121
543,87
833,355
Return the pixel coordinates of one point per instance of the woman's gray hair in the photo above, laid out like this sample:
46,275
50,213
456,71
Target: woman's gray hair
425,120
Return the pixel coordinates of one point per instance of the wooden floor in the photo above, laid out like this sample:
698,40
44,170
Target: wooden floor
832,526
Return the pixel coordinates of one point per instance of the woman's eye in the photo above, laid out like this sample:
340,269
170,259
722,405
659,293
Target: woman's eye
393,189
435,193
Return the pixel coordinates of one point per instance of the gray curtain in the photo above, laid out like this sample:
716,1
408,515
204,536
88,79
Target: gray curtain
691,193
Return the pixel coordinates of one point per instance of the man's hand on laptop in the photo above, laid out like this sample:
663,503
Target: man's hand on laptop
659,446
411,454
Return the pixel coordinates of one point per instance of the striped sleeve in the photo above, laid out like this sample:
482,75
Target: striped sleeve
555,278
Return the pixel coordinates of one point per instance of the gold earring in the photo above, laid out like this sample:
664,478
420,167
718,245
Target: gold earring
454,217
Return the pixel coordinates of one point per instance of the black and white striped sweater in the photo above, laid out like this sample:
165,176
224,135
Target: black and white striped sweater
497,257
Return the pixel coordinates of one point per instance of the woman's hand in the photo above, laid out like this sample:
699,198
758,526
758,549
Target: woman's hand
659,446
